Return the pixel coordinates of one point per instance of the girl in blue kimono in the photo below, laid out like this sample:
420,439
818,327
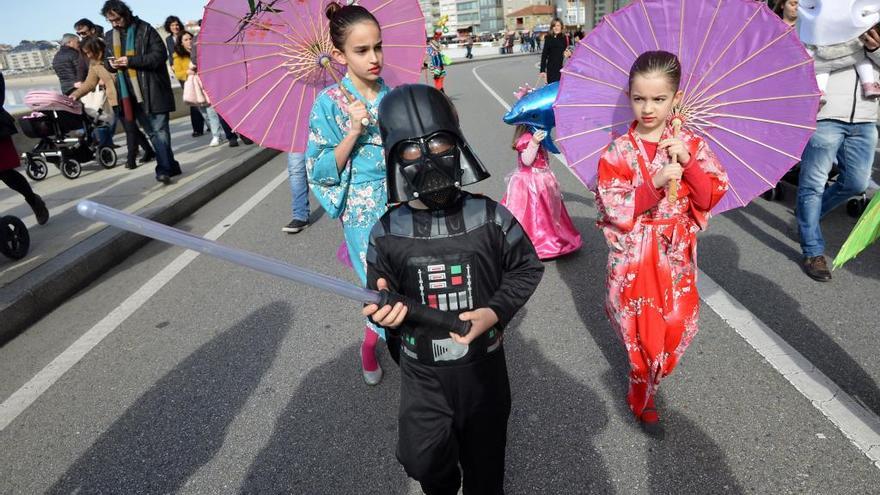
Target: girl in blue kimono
345,160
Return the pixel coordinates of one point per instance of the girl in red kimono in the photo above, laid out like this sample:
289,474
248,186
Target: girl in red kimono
652,293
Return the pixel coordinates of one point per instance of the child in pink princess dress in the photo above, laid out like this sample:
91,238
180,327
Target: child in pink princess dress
534,198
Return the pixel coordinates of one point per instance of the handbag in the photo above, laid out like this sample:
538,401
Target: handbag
96,105
194,93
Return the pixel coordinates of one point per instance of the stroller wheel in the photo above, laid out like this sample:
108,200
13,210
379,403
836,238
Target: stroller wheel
36,168
856,206
107,157
71,168
14,238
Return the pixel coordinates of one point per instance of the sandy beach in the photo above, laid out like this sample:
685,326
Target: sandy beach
30,80
18,86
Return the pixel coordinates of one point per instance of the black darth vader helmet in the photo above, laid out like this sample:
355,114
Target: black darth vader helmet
426,155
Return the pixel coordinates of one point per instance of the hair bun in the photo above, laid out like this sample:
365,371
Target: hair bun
333,8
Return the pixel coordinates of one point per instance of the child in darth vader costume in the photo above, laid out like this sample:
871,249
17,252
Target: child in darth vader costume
453,251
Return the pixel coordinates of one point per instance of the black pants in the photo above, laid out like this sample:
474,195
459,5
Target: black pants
18,183
134,137
451,416
195,117
230,136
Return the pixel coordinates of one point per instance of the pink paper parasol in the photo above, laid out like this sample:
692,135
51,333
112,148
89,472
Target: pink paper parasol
260,61
749,87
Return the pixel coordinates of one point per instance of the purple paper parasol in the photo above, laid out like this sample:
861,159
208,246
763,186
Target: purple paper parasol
261,61
749,87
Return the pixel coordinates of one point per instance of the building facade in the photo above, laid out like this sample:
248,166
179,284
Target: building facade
431,11
574,12
491,16
475,16
449,9
29,59
527,18
467,15
605,7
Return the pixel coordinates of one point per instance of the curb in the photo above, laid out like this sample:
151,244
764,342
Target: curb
37,293
490,57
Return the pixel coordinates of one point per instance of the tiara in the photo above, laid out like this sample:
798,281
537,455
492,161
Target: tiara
523,90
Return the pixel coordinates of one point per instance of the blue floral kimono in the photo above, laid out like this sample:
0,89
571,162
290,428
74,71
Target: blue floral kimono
356,195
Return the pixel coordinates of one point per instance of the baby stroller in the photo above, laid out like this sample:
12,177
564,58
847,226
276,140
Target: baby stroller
14,238
66,134
855,206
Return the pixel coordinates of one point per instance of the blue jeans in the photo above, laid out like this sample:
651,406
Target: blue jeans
157,128
105,134
299,186
217,124
853,146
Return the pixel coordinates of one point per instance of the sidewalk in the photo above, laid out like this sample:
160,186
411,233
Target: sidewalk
70,251
458,60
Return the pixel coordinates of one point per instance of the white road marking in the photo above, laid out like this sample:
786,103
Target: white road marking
22,398
860,426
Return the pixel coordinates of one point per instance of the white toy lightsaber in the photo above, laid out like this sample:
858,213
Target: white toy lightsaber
417,313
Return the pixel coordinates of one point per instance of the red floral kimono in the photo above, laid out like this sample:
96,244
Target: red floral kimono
652,294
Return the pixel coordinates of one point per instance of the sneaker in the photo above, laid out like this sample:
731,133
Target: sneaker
164,179
871,90
233,143
295,226
817,268
198,134
215,141
40,210
372,378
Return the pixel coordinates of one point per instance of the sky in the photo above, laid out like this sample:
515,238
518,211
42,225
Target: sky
50,19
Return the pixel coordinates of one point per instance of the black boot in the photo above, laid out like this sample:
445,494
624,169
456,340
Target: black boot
40,209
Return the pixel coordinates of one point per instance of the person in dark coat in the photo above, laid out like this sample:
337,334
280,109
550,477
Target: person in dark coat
69,64
173,26
554,53
87,29
137,55
9,161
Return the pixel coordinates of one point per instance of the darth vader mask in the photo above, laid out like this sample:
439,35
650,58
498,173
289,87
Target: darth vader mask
828,22
426,155
431,165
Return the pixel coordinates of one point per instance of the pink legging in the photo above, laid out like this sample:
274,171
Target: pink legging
368,350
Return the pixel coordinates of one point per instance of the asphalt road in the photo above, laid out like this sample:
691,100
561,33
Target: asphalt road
230,381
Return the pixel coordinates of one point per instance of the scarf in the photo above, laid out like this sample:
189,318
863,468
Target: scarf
125,98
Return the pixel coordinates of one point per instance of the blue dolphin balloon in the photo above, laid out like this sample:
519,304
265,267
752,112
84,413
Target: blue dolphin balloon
535,110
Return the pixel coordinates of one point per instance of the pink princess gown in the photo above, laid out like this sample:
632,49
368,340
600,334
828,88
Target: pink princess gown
534,198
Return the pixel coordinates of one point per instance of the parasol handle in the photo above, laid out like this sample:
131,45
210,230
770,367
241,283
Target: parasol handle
325,62
672,188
